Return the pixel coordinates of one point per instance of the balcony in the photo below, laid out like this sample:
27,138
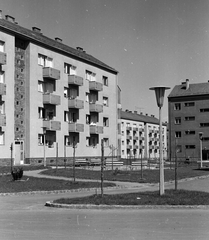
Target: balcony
75,127
96,129
128,128
75,80
96,86
3,58
2,120
135,138
2,89
135,129
75,103
128,146
51,73
136,147
128,137
52,125
94,107
49,98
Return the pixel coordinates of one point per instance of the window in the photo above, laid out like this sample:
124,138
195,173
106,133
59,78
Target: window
178,148
87,97
2,45
66,116
45,61
40,86
2,107
189,132
191,118
40,139
189,104
69,69
1,138
105,81
90,76
1,76
106,142
190,146
177,120
177,106
204,110
204,124
205,139
87,119
41,112
106,122
91,141
65,92
177,134
105,101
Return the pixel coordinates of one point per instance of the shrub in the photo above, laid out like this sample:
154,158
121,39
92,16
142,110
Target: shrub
17,173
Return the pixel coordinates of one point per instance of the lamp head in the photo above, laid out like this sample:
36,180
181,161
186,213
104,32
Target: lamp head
159,92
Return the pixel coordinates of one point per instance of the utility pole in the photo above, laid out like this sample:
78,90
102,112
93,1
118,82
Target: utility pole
102,166
74,160
56,156
11,148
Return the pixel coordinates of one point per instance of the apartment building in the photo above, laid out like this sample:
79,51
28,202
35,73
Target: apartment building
54,98
188,117
140,136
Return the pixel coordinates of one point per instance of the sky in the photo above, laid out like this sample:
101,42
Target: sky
149,42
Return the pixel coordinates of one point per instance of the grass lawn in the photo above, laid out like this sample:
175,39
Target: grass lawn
149,176
7,185
171,197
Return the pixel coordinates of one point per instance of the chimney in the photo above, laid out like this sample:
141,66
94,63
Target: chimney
58,39
36,29
187,84
80,49
0,14
10,18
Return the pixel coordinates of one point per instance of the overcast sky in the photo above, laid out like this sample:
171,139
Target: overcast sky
150,42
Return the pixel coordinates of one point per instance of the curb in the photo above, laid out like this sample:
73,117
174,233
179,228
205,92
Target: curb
59,191
91,206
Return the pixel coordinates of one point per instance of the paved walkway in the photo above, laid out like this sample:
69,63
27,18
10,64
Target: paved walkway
36,173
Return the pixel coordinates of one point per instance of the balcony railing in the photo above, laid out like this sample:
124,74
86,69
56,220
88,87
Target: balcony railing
50,98
3,58
2,120
94,107
96,129
75,127
52,125
75,103
128,128
135,138
136,147
51,73
2,89
96,86
128,146
75,80
128,137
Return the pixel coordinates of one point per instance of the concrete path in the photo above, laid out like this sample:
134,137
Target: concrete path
36,173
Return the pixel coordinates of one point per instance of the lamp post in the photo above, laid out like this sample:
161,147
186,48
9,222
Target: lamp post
200,137
160,92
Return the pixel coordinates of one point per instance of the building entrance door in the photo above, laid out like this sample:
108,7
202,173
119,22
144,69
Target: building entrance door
18,152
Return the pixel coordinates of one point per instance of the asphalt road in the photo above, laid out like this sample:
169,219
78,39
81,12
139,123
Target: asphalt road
26,217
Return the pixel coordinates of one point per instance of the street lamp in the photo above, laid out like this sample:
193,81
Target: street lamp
200,137
160,92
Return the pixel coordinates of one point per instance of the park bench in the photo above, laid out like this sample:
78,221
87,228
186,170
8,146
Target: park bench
81,162
113,163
